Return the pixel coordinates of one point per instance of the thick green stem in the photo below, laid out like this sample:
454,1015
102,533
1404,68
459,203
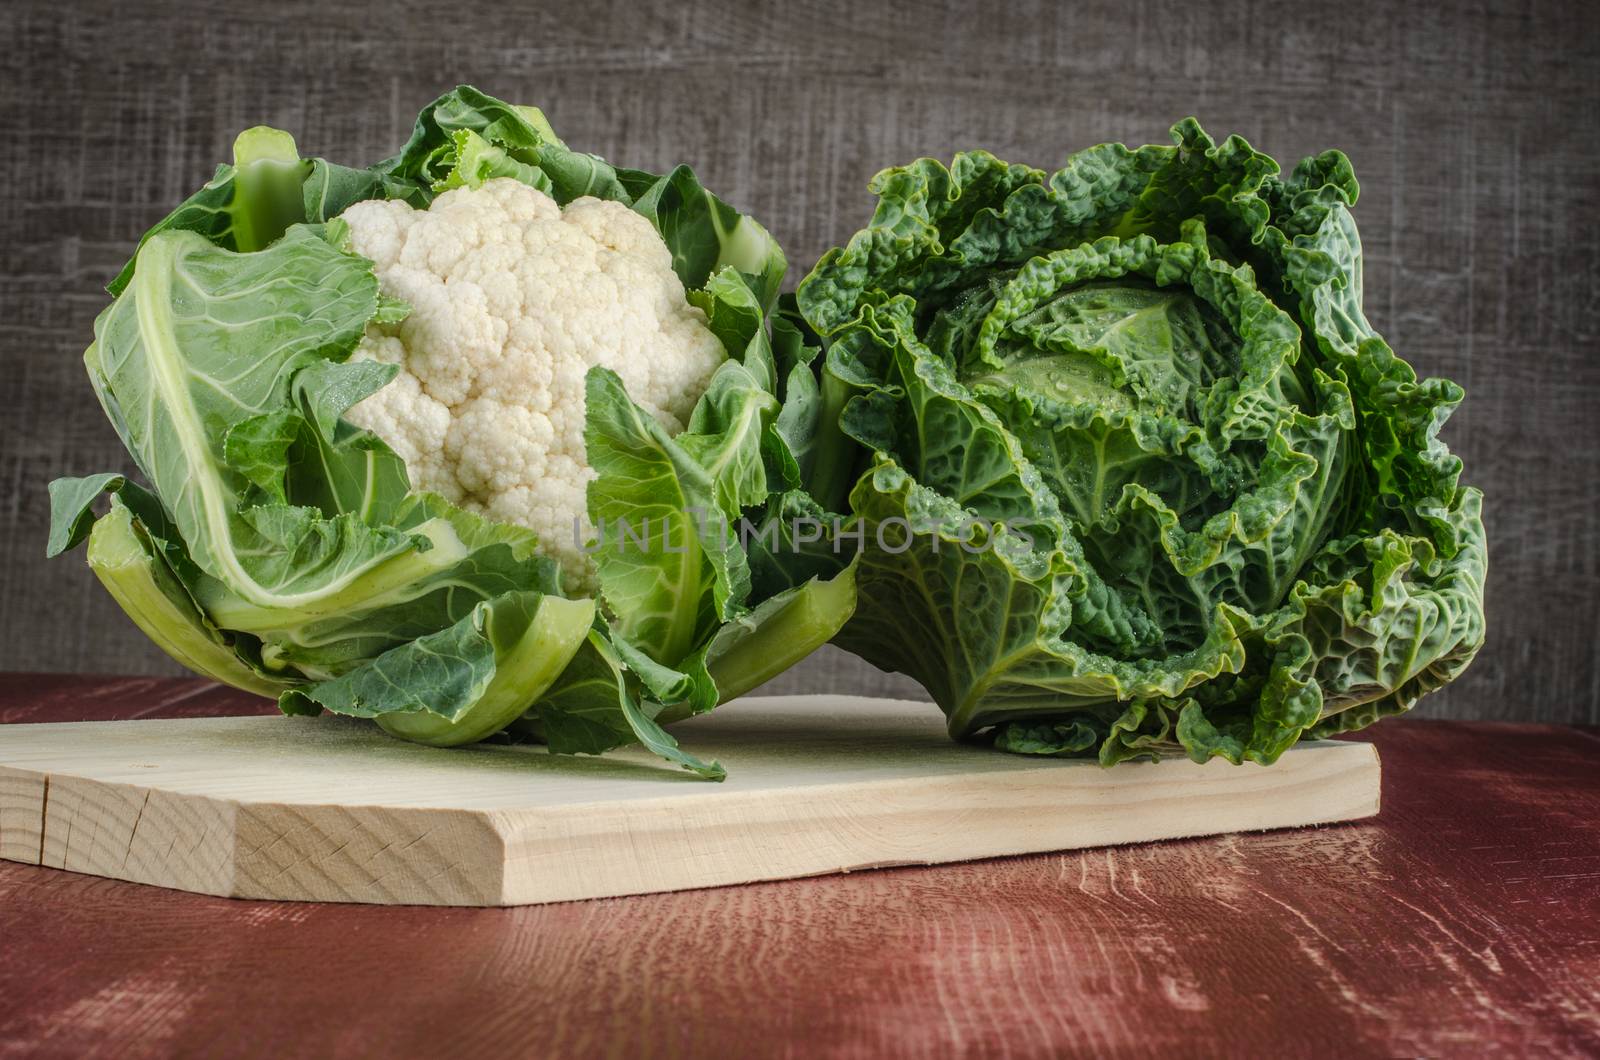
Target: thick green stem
817,612
268,180
523,671
140,581
804,622
836,456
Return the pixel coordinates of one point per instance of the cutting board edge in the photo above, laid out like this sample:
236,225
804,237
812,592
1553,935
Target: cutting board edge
1324,768
486,857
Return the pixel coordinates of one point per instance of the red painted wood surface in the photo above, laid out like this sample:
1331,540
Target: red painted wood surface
1466,917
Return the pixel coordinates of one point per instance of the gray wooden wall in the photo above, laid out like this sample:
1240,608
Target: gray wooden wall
1473,128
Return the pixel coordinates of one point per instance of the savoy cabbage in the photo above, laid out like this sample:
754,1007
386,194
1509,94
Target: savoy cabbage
1135,474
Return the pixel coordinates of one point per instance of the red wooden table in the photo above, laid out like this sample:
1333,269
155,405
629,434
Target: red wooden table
1466,916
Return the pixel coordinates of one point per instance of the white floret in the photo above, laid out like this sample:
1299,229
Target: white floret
512,300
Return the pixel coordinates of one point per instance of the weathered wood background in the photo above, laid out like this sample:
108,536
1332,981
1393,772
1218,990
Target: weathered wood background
1475,130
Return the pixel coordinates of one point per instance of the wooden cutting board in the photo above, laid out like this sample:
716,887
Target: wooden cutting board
331,809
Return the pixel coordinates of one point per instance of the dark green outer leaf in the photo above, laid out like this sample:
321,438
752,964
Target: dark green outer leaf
1291,525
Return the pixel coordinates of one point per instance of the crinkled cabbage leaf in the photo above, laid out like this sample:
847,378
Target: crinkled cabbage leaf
1136,475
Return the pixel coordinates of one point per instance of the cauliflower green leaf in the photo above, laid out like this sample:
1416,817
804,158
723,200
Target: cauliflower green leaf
285,548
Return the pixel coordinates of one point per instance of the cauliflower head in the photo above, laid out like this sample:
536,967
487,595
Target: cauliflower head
513,299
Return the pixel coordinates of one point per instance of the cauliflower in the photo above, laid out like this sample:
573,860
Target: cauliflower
513,300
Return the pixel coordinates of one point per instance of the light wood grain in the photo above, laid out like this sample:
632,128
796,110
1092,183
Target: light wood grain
331,809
